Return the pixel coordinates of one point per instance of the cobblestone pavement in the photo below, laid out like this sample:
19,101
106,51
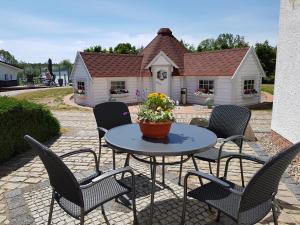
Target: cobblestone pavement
25,192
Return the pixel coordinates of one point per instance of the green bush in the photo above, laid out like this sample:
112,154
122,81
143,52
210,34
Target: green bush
20,117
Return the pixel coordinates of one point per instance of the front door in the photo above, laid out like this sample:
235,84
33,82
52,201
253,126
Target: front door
162,82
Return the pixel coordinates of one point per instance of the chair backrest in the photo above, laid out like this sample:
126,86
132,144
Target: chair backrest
228,120
111,114
61,178
264,184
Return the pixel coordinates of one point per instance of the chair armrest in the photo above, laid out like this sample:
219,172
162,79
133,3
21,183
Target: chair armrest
108,174
79,151
207,177
102,129
233,137
242,156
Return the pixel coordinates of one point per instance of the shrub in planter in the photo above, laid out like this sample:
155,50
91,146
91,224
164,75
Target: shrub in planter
20,117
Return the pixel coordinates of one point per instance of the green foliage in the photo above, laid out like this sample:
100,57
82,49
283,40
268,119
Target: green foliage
20,117
5,56
189,47
268,88
267,56
157,108
223,41
95,48
121,48
125,48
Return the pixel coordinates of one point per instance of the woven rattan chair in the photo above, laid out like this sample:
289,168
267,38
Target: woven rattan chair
247,205
109,115
228,122
78,198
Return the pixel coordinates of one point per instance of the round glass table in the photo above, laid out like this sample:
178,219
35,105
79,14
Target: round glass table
183,140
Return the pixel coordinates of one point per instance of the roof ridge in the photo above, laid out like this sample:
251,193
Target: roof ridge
215,51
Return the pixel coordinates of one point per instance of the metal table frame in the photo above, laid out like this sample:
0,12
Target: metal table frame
154,163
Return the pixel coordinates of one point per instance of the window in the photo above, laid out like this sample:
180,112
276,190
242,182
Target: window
80,87
5,77
249,87
206,86
118,87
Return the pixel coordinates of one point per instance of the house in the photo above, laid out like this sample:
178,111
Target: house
286,105
8,74
230,76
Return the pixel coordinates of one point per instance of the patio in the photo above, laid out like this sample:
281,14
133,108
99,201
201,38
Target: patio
25,192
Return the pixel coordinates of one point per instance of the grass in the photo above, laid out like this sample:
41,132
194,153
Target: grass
53,98
268,88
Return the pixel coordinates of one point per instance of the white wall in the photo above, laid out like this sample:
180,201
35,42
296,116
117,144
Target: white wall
249,70
286,106
222,89
176,85
81,74
10,71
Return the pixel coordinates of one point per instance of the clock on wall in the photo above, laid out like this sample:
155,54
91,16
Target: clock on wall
162,75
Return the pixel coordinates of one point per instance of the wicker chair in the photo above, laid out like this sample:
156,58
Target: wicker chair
78,198
228,122
247,205
109,115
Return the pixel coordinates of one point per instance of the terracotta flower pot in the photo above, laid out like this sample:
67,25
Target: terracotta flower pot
156,130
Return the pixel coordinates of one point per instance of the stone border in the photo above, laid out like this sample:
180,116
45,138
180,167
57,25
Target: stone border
289,182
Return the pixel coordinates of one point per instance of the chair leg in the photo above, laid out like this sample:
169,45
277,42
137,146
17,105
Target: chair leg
274,214
114,159
135,221
197,169
82,217
180,171
151,169
102,210
184,204
51,209
99,155
126,164
163,170
242,173
218,216
210,169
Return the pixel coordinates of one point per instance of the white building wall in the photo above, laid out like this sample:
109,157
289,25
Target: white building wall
286,106
176,85
222,89
249,70
81,74
11,73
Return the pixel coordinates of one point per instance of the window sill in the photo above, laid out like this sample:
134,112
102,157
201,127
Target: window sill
119,95
206,95
249,95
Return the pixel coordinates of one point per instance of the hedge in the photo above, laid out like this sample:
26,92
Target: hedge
20,117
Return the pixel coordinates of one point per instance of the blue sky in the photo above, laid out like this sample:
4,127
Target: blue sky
35,30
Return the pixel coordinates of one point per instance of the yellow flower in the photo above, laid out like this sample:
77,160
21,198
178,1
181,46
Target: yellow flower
158,108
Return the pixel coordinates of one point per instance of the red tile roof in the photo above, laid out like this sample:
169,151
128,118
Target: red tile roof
212,63
112,65
166,42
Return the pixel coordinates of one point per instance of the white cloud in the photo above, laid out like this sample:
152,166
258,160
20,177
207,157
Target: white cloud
1,41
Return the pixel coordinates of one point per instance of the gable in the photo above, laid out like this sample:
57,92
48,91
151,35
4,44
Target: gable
161,60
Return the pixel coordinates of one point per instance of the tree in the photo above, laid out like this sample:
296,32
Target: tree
267,56
188,46
5,56
223,41
206,45
95,48
125,48
66,63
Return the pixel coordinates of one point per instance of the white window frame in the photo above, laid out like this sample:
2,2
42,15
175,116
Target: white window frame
119,90
248,91
206,82
79,90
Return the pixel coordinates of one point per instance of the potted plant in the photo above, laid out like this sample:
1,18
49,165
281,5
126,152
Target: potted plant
155,115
